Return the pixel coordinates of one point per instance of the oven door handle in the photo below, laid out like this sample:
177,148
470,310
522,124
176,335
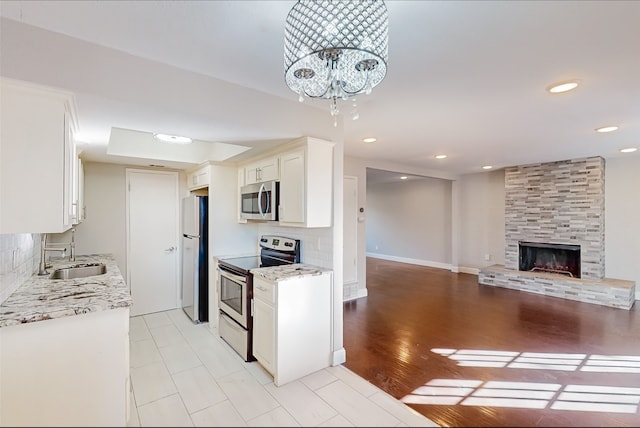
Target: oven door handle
232,277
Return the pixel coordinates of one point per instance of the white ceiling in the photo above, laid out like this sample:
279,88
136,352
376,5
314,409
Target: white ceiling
465,78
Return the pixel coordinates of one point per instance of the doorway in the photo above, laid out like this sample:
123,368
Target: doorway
152,228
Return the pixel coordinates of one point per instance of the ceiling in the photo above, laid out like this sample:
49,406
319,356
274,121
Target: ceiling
465,78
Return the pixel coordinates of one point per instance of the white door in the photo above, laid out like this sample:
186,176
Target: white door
350,230
152,240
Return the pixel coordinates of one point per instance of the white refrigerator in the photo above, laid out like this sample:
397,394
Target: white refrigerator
195,270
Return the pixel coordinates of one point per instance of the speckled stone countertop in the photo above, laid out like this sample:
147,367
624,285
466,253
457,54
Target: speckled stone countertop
295,270
40,298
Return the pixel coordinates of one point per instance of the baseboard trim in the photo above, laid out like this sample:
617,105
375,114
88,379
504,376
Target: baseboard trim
419,262
339,357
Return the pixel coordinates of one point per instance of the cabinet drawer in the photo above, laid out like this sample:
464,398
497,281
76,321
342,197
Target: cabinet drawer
264,290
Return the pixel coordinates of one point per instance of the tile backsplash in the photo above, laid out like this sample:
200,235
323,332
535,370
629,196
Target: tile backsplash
19,258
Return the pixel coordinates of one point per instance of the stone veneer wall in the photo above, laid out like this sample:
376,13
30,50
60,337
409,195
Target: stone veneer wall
560,203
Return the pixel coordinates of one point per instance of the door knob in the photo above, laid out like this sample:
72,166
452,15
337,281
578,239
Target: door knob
170,249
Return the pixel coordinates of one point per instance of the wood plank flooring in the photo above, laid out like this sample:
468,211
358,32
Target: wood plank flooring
465,354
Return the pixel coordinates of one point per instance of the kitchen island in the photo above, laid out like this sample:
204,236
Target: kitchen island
64,354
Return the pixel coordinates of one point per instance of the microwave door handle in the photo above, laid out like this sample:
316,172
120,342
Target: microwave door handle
263,214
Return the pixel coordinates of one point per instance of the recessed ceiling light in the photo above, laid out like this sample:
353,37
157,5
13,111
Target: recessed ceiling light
560,87
629,150
440,156
487,167
369,140
176,139
404,177
607,129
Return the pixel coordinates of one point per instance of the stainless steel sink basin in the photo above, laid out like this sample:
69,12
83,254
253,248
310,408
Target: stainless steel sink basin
79,271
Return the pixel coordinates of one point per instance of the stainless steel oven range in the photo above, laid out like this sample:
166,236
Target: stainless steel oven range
235,289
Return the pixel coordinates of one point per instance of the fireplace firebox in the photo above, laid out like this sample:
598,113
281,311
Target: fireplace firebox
562,259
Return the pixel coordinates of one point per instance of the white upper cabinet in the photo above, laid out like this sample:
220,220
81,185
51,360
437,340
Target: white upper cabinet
306,184
198,178
37,159
266,169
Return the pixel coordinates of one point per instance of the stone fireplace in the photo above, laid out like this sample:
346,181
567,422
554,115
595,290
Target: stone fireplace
554,234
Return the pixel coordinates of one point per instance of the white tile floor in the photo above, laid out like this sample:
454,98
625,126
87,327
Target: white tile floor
184,375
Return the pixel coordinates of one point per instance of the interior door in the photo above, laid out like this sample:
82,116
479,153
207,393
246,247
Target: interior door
350,230
153,231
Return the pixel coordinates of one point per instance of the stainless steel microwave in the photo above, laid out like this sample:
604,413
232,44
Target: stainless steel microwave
259,201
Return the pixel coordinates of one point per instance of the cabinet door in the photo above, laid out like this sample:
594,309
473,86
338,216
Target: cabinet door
35,165
264,327
263,170
251,175
292,187
198,179
269,169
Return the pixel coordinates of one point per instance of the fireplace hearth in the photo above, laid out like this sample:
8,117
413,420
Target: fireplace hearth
563,259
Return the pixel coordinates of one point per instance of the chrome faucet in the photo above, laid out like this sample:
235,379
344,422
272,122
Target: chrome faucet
42,269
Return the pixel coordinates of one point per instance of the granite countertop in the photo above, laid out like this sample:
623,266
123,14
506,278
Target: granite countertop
40,298
282,272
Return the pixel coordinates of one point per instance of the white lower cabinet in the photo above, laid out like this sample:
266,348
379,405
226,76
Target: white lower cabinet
69,371
264,325
292,325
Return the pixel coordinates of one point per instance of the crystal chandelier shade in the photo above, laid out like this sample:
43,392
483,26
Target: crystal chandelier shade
335,49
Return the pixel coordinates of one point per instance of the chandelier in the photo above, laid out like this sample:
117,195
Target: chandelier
336,49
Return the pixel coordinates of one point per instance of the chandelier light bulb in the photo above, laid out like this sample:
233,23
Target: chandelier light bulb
335,49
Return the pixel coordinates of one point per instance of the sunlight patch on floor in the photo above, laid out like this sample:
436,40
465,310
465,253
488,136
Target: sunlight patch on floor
542,360
532,395
526,395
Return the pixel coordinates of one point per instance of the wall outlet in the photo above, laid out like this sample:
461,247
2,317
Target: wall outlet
487,257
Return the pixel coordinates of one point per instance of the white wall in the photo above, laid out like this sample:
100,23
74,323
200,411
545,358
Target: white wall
481,220
410,221
104,228
227,237
621,214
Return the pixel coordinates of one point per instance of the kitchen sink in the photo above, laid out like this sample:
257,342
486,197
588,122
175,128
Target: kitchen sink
79,271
